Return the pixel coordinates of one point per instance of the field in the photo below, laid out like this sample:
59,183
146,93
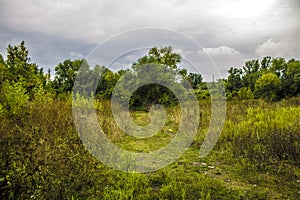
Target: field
256,157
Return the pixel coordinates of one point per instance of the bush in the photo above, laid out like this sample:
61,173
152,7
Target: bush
245,93
266,135
14,98
268,87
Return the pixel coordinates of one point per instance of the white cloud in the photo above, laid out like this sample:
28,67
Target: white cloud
178,51
220,51
242,9
76,55
282,48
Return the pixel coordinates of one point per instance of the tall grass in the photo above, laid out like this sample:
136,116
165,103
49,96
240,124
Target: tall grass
256,157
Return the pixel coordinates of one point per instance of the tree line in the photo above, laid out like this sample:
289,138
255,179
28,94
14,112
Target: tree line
22,80
271,79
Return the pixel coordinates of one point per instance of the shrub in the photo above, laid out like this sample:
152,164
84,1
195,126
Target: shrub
14,97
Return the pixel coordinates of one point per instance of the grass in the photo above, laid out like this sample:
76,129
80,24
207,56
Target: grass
256,157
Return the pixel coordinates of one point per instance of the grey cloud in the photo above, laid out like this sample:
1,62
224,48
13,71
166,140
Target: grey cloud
55,30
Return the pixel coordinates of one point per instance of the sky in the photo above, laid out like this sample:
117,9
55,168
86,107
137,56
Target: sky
229,32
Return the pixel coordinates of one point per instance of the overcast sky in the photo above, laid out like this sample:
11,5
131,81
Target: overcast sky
230,31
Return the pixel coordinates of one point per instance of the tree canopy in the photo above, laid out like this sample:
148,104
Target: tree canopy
270,78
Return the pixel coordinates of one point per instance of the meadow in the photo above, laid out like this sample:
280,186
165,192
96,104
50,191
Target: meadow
44,154
256,157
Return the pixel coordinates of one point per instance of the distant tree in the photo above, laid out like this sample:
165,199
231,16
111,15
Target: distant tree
266,63
4,72
251,73
278,66
107,81
86,80
160,65
163,56
195,80
65,75
234,80
183,72
268,87
291,79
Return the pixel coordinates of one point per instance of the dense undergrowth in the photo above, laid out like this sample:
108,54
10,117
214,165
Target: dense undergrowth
256,157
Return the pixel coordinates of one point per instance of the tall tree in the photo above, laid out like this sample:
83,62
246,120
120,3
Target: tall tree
18,62
234,80
107,81
195,80
21,68
279,66
65,75
163,56
86,80
159,65
291,79
266,63
251,73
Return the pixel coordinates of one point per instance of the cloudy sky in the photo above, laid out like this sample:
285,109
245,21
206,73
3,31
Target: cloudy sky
230,31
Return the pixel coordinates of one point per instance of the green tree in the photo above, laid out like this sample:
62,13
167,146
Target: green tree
268,87
245,93
107,81
20,67
195,80
159,65
14,97
234,80
154,93
291,79
251,73
278,66
65,75
86,80
4,72
266,63
163,56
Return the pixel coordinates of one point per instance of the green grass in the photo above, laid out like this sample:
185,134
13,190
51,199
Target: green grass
256,157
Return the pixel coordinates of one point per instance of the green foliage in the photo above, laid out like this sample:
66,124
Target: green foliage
154,92
267,135
195,80
234,81
4,71
65,75
14,98
85,80
160,65
19,68
291,81
108,80
163,56
287,72
268,87
278,66
42,156
245,93
251,73
202,94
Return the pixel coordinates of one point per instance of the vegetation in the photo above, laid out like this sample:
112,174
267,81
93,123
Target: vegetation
270,79
42,156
